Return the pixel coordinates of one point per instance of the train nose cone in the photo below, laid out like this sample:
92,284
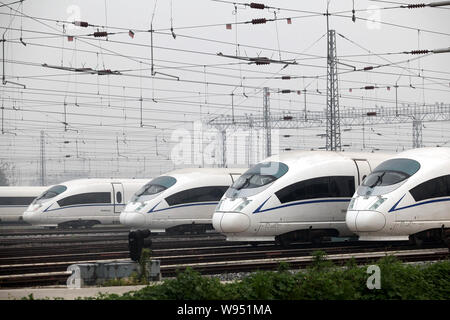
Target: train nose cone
216,218
234,222
369,221
132,219
350,220
30,217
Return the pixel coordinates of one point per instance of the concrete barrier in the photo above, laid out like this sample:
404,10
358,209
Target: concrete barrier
91,274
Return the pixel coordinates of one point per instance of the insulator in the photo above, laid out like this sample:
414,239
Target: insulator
287,118
286,91
419,51
260,60
369,87
257,5
286,78
418,5
106,71
368,68
259,21
100,34
371,114
81,24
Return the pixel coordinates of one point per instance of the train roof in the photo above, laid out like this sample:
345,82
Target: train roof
213,171
439,154
323,156
98,181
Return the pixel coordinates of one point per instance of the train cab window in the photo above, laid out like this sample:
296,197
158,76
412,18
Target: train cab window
200,194
322,187
260,175
50,193
434,188
155,186
391,172
256,179
15,201
86,198
119,197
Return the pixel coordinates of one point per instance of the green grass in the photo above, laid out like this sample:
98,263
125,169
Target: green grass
321,281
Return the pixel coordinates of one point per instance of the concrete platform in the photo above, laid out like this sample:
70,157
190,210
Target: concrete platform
63,292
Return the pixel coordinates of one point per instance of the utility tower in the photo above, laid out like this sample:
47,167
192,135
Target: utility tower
417,133
42,160
333,129
267,125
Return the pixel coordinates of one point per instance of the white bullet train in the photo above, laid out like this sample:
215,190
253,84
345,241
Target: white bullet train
176,202
179,198
82,202
294,196
14,201
407,197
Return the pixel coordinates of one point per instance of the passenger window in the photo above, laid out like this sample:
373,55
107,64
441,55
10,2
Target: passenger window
322,187
197,195
86,198
119,197
434,188
16,201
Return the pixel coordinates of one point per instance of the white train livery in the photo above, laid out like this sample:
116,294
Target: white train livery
179,201
14,201
407,197
82,202
294,196
180,198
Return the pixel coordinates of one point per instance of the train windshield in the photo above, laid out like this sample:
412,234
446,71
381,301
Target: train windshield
50,193
388,176
154,187
256,178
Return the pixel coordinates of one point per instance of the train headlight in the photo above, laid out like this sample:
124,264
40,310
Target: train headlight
34,207
352,203
242,205
140,206
219,205
377,203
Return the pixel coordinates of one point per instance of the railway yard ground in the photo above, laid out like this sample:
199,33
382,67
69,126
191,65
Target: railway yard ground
34,262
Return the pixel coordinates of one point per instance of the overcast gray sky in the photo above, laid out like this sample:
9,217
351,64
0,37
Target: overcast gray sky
92,122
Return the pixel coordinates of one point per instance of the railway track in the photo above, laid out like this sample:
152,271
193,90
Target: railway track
34,232
212,260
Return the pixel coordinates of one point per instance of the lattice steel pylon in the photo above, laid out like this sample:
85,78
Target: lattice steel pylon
267,126
417,134
333,128
42,170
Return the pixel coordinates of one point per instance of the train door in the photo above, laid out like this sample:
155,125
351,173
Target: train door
363,170
118,198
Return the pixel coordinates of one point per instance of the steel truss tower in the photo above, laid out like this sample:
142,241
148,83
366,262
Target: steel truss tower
42,160
267,126
333,128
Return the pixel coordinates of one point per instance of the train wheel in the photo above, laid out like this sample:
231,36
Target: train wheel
283,241
418,241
